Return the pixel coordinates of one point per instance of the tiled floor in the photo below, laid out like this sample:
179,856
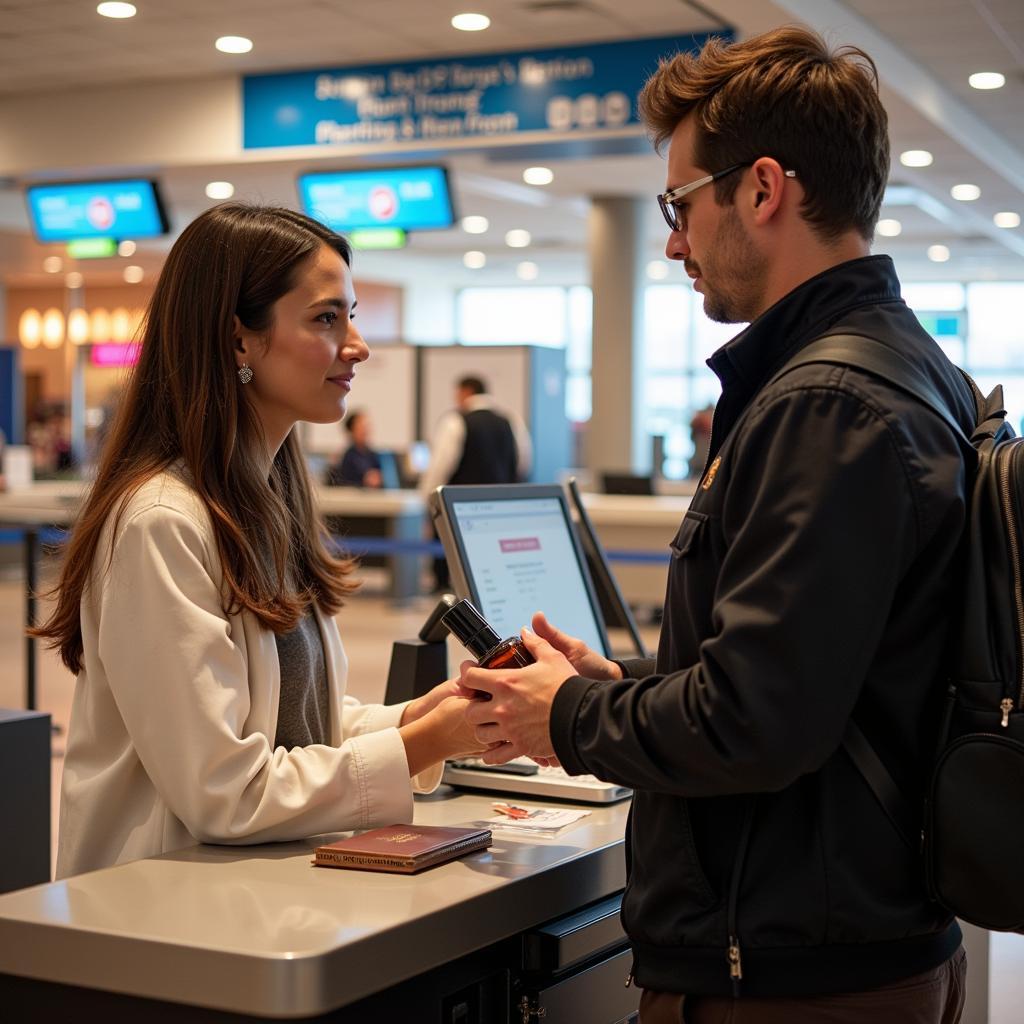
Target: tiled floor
368,625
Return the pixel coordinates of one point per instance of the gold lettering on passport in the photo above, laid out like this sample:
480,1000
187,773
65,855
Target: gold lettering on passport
709,477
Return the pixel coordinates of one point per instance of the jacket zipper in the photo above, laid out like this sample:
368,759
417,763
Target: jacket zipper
734,955
1005,474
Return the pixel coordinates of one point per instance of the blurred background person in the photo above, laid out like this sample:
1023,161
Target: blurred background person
359,465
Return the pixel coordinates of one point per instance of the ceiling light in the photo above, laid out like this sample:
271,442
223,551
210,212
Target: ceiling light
987,80
475,225
53,328
220,190
517,238
1007,219
74,279
474,259
916,158
233,44
938,253
965,193
53,264
657,270
116,10
78,327
471,22
134,274
538,175
30,328
527,271
888,227
127,248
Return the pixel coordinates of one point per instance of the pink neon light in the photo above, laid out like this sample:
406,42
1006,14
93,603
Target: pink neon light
113,354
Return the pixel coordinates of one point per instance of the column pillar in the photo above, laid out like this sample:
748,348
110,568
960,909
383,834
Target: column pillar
615,439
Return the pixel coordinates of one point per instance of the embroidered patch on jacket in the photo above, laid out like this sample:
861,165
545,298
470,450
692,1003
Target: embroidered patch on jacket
709,476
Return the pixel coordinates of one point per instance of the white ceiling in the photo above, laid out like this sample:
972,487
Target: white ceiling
52,46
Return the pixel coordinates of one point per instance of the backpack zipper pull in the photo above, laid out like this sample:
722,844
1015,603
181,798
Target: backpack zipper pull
1006,706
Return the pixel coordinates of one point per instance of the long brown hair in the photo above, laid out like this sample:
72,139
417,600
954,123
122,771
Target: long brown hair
184,405
782,94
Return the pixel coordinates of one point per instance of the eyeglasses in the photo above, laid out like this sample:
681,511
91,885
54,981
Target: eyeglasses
675,216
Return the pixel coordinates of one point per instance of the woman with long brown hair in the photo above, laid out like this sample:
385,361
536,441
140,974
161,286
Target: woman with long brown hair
197,596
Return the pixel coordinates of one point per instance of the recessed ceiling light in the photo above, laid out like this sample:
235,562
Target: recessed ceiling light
74,279
233,44
126,248
987,80
965,193
889,227
538,175
517,238
471,22
938,253
116,10
916,158
220,190
527,271
53,264
474,259
134,274
1007,219
657,270
475,224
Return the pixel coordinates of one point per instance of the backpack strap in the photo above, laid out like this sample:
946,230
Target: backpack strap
868,354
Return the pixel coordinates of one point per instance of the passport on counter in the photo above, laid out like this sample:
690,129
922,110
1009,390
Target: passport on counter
403,849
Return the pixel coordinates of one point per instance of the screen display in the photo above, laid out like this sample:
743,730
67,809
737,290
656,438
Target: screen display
410,198
520,559
96,209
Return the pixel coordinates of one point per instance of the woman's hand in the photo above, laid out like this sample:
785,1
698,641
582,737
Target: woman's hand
588,663
441,733
419,706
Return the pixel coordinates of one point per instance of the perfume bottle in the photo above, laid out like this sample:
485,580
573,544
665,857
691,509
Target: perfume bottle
477,635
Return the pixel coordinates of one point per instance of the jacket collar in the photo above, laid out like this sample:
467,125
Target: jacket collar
804,314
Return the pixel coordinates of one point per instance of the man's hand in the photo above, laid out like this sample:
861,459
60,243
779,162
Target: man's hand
586,661
420,706
518,712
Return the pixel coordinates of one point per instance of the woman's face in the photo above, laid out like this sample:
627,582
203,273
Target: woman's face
304,368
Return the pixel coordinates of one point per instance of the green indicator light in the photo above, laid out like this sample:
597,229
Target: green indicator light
92,248
377,238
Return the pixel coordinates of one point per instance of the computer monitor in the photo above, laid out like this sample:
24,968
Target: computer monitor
627,483
123,208
614,608
512,550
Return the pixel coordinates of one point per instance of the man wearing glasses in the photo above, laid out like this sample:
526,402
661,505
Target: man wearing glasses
811,582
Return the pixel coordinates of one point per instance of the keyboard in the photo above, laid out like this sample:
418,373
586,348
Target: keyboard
526,778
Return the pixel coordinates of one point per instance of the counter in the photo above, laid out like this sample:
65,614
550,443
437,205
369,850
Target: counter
256,930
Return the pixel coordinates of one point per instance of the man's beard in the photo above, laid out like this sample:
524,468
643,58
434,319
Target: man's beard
738,272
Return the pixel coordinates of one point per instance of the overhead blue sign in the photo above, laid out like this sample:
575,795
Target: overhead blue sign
565,91
96,209
410,198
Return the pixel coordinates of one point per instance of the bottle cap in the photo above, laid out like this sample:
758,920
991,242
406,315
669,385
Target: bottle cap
470,628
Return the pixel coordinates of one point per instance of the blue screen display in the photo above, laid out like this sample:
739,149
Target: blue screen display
410,198
96,209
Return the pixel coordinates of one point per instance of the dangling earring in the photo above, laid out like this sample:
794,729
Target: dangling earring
245,373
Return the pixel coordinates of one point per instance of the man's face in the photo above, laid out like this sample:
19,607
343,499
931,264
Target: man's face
712,242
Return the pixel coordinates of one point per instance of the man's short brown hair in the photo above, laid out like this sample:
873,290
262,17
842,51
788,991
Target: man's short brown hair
786,95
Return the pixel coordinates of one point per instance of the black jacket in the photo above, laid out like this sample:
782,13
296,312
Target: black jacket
810,580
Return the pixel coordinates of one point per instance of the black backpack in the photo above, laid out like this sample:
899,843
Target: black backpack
973,818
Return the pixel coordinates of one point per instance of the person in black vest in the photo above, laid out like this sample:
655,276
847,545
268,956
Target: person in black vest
476,443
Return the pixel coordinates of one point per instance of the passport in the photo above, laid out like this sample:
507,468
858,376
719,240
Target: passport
403,849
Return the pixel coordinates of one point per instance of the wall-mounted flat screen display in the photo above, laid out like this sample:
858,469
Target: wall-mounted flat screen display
96,209
410,198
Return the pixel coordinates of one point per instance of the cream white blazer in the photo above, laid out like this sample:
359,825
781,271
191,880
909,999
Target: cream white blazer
172,725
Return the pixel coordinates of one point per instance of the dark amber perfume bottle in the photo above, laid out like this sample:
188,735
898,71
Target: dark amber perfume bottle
477,635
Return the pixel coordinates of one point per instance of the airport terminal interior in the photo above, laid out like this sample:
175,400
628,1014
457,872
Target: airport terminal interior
495,235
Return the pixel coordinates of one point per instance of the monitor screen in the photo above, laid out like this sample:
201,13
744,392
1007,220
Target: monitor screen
519,555
410,198
96,209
